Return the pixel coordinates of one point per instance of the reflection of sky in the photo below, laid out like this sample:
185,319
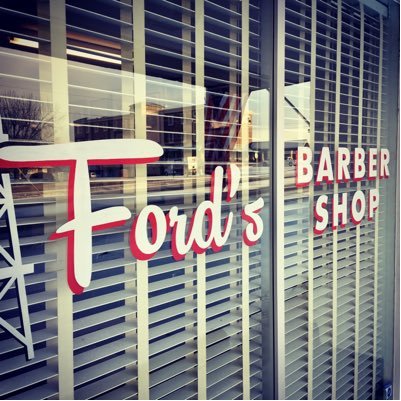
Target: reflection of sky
295,126
98,87
94,91
20,64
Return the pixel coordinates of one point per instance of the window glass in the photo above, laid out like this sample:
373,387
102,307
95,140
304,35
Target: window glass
335,273
190,79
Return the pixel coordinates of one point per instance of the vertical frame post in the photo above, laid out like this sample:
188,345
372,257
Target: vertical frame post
278,197
335,233
311,201
200,191
59,79
245,194
141,190
358,228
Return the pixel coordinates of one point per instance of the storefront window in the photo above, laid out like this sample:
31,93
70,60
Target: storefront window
155,242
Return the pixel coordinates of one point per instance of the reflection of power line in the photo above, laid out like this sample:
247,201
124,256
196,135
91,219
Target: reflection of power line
297,110
14,273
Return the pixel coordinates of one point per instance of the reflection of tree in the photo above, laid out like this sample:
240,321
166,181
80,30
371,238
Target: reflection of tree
24,118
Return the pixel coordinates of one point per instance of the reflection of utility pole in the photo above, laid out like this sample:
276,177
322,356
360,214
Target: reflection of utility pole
297,110
14,273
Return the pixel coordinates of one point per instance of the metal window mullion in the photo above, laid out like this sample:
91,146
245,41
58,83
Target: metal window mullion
245,196
200,192
358,228
278,199
311,202
59,79
128,125
335,232
141,197
377,225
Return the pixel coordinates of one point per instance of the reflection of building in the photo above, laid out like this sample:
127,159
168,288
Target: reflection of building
86,129
164,126
109,127
174,126
222,127
173,129
89,129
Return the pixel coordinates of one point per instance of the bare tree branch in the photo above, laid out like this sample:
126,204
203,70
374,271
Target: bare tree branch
25,118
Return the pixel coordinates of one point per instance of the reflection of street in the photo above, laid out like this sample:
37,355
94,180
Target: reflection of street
118,187
289,176
289,171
